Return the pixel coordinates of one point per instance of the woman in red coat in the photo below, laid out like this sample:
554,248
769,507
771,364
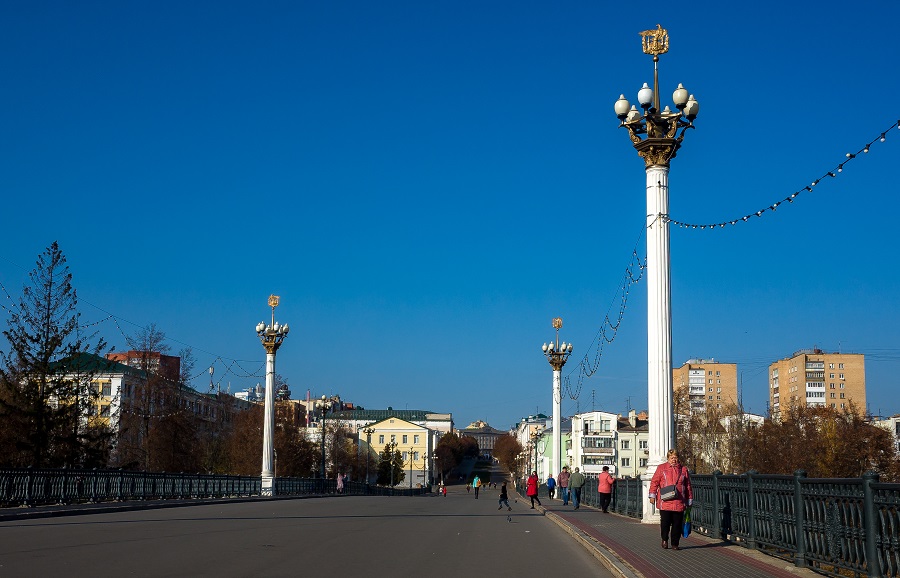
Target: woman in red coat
671,511
531,489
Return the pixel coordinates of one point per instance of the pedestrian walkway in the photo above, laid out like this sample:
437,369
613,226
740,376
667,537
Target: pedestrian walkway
632,549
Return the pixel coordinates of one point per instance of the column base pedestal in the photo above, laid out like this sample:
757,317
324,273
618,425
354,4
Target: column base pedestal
268,486
651,514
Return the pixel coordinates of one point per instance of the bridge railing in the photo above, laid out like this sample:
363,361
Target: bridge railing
34,487
838,527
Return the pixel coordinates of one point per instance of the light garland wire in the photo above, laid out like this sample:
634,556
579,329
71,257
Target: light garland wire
229,364
833,173
609,328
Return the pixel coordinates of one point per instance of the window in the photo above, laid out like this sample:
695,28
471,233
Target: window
605,425
842,386
710,380
416,440
719,381
104,411
106,388
718,373
710,398
415,456
403,457
710,372
626,462
842,376
831,375
832,396
718,390
842,395
840,366
381,439
832,386
643,444
626,444
598,442
710,389
642,462
842,406
405,437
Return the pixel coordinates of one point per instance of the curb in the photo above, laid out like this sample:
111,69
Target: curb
606,556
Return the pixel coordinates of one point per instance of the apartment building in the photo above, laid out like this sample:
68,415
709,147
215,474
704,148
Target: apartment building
704,384
813,378
601,438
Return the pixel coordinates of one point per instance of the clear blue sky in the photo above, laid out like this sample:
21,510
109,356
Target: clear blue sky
427,184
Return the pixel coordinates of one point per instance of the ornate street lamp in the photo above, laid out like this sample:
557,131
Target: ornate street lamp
557,354
323,405
271,337
656,137
368,431
410,466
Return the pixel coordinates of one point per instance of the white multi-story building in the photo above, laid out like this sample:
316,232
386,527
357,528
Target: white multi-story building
892,424
601,438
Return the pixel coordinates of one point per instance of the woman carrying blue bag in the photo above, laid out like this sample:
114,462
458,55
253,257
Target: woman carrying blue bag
672,494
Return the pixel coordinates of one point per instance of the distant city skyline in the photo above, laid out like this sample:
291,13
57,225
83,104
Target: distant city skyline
426,186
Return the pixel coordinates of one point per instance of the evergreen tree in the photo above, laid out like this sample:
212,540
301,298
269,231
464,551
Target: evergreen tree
390,466
46,374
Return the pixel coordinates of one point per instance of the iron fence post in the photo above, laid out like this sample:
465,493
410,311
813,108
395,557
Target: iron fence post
873,564
715,518
799,521
29,479
751,511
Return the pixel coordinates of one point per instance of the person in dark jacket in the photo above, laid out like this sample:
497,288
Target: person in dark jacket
504,498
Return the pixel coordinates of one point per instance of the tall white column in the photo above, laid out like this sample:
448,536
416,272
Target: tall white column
659,328
268,456
556,456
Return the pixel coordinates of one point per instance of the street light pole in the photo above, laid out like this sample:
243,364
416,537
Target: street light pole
410,466
655,135
322,404
557,354
368,431
271,337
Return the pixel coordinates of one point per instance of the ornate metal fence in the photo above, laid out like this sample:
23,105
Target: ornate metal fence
31,487
839,527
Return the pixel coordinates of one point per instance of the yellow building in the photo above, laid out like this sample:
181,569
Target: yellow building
813,378
414,442
705,384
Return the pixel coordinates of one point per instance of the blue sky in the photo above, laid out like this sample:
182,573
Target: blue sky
427,184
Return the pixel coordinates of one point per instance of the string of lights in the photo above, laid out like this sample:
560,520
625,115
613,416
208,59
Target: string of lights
833,173
230,366
609,328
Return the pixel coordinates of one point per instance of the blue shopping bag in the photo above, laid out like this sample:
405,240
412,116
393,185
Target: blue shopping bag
686,531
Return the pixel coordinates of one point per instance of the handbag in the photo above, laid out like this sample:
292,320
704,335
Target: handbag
686,531
667,493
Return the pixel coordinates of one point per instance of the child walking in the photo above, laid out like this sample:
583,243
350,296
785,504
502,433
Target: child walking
504,499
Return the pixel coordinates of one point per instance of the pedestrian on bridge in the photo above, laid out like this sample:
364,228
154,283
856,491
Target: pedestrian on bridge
671,493
551,486
504,498
476,484
562,480
604,488
340,482
531,489
576,483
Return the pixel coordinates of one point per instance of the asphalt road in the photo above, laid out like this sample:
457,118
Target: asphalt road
341,536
